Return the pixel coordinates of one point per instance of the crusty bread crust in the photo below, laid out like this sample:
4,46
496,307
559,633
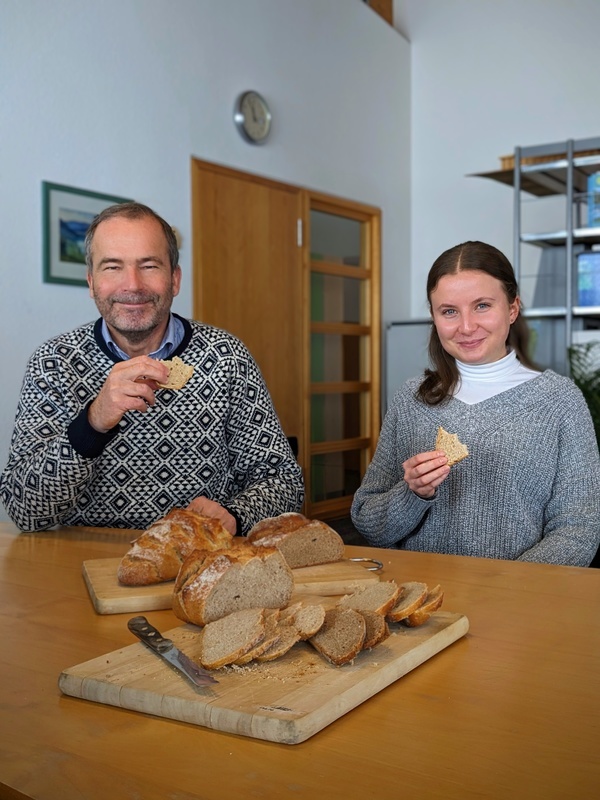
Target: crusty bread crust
158,553
284,523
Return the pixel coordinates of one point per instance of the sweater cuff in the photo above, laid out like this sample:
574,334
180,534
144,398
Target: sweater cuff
84,439
239,525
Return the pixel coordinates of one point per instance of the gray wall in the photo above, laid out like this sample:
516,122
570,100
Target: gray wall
487,75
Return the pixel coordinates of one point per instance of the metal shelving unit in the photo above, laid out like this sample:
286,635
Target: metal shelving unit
559,168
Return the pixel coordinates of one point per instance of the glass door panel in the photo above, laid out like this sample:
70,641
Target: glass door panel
335,239
335,475
335,298
334,417
335,357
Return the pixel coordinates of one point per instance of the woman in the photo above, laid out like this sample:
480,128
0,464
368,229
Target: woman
530,487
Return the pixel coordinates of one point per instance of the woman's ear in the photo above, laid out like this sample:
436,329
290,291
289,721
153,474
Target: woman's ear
514,309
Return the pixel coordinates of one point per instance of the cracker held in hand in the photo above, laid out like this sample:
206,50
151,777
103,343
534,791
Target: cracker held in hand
179,374
449,444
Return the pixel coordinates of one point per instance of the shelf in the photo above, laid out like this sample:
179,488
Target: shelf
560,311
559,238
547,178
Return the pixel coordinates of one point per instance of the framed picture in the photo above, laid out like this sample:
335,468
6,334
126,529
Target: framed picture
67,213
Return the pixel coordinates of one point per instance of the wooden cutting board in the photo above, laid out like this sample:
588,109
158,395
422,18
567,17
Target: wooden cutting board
286,701
110,597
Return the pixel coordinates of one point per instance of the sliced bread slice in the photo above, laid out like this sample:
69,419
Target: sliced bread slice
227,639
379,597
450,444
341,636
288,636
377,629
308,620
271,636
432,602
412,595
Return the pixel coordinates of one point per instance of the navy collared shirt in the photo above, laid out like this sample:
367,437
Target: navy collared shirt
170,341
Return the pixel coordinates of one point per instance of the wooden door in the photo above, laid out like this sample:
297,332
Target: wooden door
248,276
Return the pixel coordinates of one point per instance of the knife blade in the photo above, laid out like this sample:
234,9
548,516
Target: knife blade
165,648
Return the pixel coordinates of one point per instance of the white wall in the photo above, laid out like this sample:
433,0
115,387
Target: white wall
117,96
486,76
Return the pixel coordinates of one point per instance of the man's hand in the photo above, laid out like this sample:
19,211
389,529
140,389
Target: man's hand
424,472
130,386
202,505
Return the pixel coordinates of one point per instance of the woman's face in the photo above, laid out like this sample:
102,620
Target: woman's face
472,316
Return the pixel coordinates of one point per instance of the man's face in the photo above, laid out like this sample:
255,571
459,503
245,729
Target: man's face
131,280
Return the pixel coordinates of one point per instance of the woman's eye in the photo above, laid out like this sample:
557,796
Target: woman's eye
483,305
448,312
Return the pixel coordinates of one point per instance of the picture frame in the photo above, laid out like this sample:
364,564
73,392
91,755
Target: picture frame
66,215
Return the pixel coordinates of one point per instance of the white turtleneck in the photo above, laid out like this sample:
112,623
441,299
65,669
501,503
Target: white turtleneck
480,381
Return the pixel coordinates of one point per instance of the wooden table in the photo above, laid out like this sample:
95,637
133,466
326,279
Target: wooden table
510,711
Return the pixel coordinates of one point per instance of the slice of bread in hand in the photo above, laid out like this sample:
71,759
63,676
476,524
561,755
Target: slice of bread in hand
179,374
412,595
342,635
449,444
432,602
227,639
379,597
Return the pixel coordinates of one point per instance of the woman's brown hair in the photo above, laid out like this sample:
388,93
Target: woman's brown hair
440,382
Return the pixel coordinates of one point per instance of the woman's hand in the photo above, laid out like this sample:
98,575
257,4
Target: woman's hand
424,472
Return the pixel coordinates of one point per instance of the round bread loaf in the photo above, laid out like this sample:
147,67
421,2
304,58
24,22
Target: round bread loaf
211,585
303,542
158,553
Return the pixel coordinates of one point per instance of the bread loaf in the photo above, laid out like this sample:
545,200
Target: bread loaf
158,553
211,585
303,542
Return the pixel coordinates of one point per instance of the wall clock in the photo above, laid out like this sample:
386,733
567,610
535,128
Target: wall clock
252,117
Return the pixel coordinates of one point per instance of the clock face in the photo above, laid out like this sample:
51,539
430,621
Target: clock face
253,117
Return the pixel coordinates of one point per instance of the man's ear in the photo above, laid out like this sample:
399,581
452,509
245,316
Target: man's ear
176,280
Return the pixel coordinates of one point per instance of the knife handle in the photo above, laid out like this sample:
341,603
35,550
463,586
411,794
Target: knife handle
148,634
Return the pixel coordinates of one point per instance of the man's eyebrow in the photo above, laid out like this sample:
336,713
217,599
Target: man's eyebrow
116,260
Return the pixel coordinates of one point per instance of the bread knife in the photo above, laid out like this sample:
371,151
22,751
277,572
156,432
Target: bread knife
165,648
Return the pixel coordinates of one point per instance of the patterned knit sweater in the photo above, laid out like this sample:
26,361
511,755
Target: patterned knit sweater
529,490
219,437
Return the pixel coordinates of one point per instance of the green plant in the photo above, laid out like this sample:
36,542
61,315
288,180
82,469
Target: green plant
584,361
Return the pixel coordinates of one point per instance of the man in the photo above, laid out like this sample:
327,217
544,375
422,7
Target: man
98,442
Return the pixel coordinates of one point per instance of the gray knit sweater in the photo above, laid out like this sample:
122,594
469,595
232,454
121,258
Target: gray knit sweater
529,490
